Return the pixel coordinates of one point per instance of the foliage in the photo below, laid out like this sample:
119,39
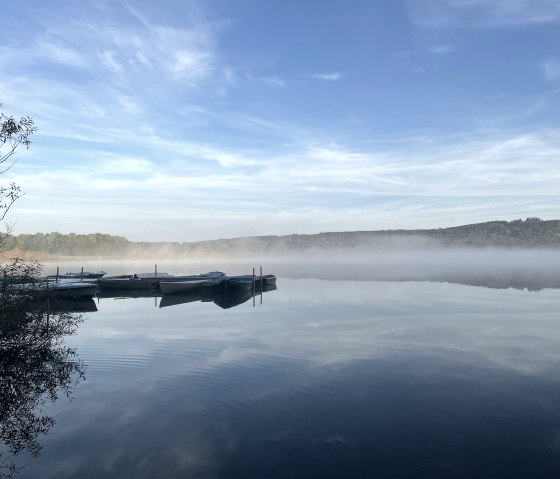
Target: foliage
35,366
13,133
532,232
70,244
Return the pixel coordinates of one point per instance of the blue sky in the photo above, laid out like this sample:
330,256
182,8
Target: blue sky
191,120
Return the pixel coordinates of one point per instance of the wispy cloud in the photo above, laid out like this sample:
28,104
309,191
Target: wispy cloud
333,76
551,70
483,13
141,117
442,49
309,188
131,53
407,60
274,81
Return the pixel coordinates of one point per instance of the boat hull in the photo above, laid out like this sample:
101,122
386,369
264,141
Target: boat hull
56,290
84,275
145,281
185,286
128,283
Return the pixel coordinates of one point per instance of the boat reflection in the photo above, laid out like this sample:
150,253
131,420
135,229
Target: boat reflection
222,297
61,306
128,293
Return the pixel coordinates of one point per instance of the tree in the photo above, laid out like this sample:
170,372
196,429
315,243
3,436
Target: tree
35,368
35,365
13,134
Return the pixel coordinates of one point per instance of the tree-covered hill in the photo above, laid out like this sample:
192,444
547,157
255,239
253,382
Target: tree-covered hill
532,232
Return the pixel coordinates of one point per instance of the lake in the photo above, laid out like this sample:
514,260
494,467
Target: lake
318,378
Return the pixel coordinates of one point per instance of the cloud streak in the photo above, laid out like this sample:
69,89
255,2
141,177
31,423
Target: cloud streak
333,76
483,13
316,186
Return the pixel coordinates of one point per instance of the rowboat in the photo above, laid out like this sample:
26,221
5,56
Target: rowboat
132,281
248,281
80,275
151,280
184,286
265,279
60,289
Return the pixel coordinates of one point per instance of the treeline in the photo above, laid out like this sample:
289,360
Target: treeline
68,244
532,232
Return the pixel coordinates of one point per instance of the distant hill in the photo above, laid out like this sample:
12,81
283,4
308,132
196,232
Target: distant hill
532,232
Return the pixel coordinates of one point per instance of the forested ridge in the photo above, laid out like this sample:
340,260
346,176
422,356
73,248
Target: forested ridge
532,232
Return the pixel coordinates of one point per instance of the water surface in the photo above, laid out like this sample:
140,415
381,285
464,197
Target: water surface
323,379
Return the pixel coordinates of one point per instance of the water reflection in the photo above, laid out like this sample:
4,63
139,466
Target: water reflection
533,270
35,369
328,379
223,298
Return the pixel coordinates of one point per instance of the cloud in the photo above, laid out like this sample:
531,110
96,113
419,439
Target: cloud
308,188
334,76
551,70
274,81
139,111
127,54
407,61
442,49
483,13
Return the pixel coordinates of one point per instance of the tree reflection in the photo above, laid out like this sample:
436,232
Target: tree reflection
35,369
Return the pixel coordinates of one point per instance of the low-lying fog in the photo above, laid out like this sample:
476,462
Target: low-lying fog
492,267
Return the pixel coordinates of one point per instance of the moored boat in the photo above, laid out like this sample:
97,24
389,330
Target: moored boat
60,289
265,279
79,275
249,279
184,286
151,280
237,283
132,281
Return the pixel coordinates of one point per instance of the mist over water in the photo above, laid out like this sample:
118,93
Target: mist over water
530,268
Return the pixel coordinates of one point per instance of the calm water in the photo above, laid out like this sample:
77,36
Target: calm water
323,379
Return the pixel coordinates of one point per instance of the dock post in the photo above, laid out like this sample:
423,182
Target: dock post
261,283
57,274
82,275
253,288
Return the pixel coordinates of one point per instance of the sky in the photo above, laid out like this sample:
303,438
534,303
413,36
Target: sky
204,119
